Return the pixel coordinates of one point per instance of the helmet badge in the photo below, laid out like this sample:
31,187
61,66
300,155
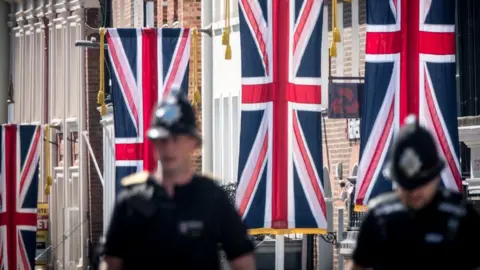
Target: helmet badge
169,114
410,162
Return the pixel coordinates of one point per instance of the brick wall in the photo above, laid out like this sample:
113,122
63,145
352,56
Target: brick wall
337,148
95,200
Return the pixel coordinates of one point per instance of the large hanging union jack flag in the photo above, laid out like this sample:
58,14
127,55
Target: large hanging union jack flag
145,65
19,172
280,185
410,68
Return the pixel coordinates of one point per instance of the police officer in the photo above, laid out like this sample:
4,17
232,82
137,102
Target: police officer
175,219
420,225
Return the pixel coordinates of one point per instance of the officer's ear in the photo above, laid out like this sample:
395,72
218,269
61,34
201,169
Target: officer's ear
199,143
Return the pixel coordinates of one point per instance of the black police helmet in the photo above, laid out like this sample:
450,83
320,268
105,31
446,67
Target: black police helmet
173,116
414,159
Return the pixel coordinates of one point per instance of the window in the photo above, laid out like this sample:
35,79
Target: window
175,10
468,57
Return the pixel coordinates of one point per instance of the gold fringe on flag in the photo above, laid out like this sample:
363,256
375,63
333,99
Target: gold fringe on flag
47,161
226,32
335,31
101,91
196,93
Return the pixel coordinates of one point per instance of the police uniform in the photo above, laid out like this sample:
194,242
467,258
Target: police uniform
445,234
152,230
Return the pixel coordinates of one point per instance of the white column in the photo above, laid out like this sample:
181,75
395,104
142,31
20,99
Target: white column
207,87
279,252
19,69
108,167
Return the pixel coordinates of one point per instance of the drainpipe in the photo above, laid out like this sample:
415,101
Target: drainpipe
4,54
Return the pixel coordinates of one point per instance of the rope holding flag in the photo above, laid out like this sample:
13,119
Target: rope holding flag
101,91
226,32
196,93
47,161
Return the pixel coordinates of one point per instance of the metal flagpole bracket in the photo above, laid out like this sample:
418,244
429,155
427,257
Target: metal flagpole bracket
330,237
94,44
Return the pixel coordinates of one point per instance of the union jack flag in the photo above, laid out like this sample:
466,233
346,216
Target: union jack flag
19,173
145,65
410,68
280,176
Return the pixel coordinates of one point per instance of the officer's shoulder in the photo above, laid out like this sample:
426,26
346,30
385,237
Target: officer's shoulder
452,196
383,199
135,179
453,203
208,180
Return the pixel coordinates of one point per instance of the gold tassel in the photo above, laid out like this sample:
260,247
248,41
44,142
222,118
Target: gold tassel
100,96
336,35
333,49
226,36
335,32
228,52
101,91
47,190
47,161
226,32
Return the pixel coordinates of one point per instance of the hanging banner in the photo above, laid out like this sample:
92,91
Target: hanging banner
42,234
344,100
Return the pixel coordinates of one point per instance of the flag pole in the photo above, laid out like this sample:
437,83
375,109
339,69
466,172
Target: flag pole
279,252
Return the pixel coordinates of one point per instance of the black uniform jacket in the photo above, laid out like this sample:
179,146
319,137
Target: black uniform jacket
444,235
150,230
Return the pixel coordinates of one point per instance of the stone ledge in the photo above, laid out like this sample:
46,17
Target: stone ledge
468,121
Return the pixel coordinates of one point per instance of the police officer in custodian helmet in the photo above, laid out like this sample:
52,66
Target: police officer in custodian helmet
175,219
420,225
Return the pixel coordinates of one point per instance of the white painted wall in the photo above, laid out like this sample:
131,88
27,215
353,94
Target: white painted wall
221,86
226,107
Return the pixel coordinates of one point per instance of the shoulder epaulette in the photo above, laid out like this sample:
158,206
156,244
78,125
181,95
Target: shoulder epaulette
134,179
384,198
